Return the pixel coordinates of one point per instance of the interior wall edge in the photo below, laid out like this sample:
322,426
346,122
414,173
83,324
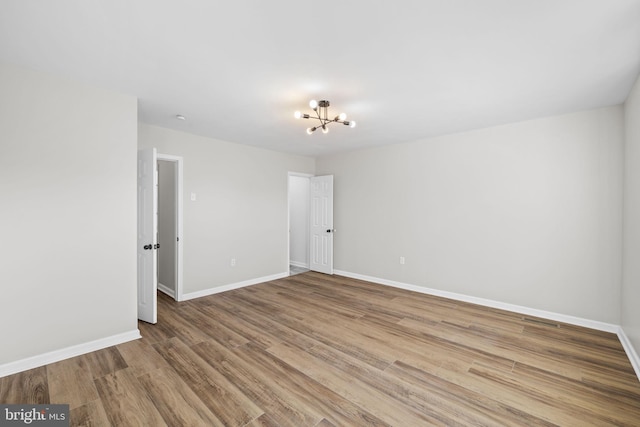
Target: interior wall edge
232,286
631,352
299,264
67,353
558,317
166,290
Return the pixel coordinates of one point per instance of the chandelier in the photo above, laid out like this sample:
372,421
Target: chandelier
322,115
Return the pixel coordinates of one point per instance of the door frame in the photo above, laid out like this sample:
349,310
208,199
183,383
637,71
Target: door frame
301,175
179,162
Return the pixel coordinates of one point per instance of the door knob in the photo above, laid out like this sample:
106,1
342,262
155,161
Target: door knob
330,231
156,246
146,247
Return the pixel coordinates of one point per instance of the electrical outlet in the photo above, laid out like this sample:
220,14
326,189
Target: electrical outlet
233,262
401,260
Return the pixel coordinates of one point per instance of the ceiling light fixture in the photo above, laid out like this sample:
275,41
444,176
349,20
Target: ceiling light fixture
322,115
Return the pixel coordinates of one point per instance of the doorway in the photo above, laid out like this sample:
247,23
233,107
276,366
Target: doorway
148,244
169,229
298,223
310,217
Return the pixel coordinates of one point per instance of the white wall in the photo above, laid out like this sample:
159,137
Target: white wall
631,270
299,221
167,231
240,209
67,213
527,214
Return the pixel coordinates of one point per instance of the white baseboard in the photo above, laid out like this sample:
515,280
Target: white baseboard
166,290
66,353
299,264
224,288
631,352
587,323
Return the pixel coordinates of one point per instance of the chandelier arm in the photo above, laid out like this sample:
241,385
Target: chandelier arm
325,121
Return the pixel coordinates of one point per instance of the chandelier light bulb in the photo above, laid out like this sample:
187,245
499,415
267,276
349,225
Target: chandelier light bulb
342,116
352,124
325,129
313,104
310,131
297,114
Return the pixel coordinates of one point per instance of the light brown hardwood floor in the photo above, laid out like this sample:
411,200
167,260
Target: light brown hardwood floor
317,350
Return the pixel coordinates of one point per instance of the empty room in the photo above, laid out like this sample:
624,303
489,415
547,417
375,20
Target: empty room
294,213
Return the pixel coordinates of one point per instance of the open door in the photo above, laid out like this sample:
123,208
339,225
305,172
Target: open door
321,224
147,244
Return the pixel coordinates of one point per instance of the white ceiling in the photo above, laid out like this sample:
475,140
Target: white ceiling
404,70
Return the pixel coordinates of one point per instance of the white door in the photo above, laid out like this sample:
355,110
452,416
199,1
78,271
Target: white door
147,235
321,224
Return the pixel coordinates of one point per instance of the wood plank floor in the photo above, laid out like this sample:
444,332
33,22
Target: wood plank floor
317,350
